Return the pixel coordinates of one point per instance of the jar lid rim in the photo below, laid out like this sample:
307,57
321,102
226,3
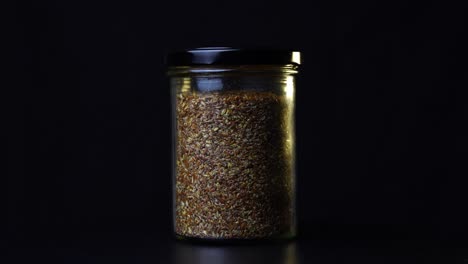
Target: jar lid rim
233,56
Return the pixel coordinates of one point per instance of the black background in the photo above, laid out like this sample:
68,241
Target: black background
381,118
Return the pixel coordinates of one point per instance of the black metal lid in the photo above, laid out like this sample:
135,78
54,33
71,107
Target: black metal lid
232,56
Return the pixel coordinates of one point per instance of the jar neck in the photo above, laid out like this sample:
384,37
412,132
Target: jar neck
289,69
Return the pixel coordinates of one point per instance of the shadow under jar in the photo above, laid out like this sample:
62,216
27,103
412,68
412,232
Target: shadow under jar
234,146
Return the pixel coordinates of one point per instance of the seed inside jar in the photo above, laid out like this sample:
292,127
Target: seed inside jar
234,171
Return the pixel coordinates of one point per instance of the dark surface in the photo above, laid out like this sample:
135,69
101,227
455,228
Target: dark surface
381,124
128,249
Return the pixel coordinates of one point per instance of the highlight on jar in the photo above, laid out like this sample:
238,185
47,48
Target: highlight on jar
234,160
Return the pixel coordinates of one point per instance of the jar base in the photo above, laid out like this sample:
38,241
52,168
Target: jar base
285,238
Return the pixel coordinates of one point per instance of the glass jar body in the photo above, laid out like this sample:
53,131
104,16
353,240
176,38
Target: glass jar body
234,152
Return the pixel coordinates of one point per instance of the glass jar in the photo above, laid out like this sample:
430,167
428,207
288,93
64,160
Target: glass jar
234,145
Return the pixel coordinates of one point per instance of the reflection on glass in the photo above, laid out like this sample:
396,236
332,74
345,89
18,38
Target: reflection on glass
243,254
